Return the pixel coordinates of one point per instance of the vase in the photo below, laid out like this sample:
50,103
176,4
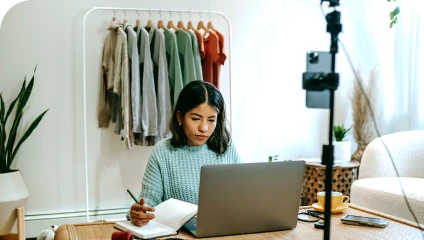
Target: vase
342,151
14,194
357,155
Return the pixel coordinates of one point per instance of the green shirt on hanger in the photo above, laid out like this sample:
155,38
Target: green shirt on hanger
185,52
196,55
174,66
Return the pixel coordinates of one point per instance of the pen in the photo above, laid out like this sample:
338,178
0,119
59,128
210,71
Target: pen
132,196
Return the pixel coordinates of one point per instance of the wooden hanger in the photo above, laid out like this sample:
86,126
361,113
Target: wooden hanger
181,24
190,25
125,17
149,22
210,25
171,23
160,22
201,25
114,15
137,22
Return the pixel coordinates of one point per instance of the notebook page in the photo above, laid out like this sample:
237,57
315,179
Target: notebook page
150,230
174,213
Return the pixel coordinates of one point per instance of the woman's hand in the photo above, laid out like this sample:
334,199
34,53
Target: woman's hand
138,214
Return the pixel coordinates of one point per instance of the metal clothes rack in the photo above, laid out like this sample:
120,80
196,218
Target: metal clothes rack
149,10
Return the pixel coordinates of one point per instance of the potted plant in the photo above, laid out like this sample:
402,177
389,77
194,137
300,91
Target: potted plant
272,158
342,148
13,190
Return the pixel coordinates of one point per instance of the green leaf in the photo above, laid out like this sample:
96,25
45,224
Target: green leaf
392,15
396,11
12,137
12,105
27,133
2,108
25,96
391,24
2,142
23,99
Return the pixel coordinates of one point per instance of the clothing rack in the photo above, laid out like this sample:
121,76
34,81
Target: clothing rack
148,10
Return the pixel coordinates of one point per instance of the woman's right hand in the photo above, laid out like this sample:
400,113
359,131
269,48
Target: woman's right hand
138,214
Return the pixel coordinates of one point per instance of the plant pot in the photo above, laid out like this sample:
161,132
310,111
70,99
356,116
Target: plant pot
14,194
342,151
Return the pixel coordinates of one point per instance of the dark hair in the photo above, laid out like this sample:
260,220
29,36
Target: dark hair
194,94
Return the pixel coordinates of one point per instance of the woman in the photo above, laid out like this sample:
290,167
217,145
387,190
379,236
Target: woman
199,137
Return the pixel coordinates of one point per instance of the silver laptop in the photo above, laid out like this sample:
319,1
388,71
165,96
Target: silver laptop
247,198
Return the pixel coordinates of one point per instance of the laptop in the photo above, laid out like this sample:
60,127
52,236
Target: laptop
247,198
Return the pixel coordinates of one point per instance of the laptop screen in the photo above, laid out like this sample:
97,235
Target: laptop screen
248,198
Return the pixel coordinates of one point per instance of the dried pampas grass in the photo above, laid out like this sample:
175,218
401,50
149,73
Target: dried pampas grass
363,130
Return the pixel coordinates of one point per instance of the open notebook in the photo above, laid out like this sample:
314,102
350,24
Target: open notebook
171,215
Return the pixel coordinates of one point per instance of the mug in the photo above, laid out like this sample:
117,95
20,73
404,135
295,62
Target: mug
337,199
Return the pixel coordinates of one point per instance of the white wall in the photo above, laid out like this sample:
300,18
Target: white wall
270,39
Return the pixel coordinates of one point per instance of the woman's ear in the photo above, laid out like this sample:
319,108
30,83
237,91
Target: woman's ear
179,117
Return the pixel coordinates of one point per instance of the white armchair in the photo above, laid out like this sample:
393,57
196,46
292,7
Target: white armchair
378,187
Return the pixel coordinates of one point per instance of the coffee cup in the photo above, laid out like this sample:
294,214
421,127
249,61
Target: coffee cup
337,199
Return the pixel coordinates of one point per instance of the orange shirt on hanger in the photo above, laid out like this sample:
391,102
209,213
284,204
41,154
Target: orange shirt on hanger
222,58
211,59
201,44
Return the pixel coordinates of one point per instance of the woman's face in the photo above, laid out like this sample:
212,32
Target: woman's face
198,124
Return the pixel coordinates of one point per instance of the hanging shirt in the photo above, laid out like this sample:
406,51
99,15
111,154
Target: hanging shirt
149,113
212,55
196,56
199,38
160,72
114,102
222,58
121,86
106,76
174,66
135,78
185,52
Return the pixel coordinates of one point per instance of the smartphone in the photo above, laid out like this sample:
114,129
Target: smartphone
368,221
318,61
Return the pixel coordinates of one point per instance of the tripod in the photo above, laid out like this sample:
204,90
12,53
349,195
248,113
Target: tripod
322,81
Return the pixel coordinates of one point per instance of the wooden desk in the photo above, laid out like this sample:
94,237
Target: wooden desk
397,229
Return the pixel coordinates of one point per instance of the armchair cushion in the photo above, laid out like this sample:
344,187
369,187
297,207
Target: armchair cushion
385,195
407,150
378,187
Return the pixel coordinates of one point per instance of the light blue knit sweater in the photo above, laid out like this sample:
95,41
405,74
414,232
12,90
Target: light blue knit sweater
175,172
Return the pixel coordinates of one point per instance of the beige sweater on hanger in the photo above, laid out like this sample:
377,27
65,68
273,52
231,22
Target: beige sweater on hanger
115,80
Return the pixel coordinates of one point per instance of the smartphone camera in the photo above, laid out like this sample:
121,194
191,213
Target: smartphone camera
313,57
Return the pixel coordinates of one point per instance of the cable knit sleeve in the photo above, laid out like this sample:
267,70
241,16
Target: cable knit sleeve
151,187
